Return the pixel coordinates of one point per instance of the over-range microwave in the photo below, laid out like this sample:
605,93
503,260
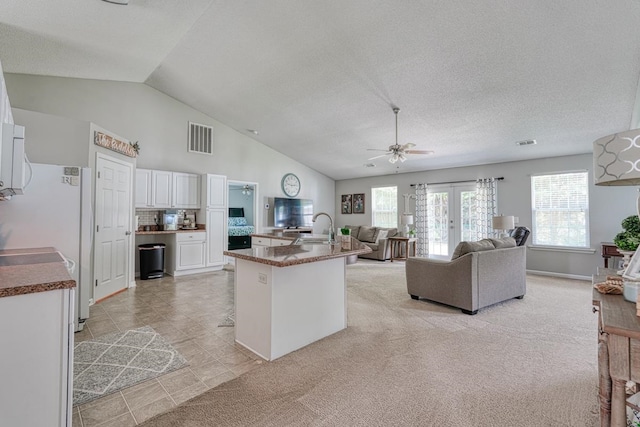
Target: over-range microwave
12,160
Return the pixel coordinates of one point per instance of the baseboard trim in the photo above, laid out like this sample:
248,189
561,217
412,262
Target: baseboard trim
561,275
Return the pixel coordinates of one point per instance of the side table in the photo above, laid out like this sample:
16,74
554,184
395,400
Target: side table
400,245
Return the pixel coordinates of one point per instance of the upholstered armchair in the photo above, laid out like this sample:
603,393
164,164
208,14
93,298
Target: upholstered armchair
479,274
520,234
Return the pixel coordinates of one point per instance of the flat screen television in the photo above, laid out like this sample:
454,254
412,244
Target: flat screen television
292,213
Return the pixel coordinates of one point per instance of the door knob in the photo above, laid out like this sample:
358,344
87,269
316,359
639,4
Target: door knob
127,233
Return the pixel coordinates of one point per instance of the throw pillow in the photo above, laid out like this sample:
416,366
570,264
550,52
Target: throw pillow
466,247
505,242
367,234
382,234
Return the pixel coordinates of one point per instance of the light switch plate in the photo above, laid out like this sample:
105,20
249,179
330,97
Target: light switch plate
262,278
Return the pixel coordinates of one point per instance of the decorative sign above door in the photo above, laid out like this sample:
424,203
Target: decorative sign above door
114,144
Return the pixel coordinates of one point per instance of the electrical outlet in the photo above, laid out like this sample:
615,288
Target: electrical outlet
262,278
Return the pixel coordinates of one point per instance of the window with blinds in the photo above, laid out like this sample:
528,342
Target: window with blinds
560,209
384,206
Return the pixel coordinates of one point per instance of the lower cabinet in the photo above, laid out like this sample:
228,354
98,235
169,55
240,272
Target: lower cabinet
185,253
190,250
36,332
264,241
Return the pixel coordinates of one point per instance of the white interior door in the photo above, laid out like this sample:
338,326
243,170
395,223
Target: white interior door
113,222
452,217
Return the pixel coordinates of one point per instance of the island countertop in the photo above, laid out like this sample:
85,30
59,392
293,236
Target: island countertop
284,256
31,270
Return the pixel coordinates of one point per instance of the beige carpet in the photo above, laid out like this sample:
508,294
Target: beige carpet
401,362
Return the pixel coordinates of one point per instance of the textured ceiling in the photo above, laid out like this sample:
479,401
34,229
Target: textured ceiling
317,79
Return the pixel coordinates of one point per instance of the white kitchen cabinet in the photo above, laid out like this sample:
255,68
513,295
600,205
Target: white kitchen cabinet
215,191
186,190
167,189
190,250
144,189
162,182
264,241
260,241
216,237
37,357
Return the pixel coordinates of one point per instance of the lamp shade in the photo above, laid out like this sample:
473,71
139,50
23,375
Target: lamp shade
406,219
503,222
616,159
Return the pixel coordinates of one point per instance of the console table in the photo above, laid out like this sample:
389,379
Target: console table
618,352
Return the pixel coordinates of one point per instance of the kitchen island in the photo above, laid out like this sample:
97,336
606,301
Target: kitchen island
287,297
36,332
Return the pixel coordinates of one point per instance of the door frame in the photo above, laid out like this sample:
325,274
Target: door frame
455,221
130,279
257,217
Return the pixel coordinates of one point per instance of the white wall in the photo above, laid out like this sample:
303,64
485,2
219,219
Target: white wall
608,205
159,123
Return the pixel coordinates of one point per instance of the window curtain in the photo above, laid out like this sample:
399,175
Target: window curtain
422,221
486,206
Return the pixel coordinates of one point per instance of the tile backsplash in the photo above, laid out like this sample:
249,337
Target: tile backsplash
147,217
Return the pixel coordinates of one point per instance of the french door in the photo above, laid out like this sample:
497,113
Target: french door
452,217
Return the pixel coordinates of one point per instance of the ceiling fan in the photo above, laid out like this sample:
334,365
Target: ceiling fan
398,152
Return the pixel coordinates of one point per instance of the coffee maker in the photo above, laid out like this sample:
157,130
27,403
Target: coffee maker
170,220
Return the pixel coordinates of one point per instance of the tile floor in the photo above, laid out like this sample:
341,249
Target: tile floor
187,312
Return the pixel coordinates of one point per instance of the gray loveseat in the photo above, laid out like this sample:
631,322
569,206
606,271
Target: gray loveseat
375,238
479,274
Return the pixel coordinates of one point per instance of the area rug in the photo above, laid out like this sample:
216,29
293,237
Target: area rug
112,362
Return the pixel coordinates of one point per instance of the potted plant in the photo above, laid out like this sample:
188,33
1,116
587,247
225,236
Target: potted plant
412,233
345,231
628,240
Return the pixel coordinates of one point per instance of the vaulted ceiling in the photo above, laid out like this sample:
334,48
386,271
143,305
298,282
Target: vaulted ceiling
318,79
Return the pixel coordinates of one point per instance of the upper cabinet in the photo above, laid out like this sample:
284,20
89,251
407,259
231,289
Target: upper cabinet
162,182
144,195
166,190
186,190
215,191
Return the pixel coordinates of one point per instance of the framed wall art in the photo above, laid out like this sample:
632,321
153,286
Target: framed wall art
358,203
346,204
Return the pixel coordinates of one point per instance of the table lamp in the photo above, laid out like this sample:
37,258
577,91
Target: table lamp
503,223
406,220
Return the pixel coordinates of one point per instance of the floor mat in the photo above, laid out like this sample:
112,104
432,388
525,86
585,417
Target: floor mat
112,362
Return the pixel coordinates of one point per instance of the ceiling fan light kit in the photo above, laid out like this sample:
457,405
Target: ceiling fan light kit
399,152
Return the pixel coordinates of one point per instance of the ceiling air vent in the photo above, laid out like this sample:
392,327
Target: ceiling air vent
200,138
527,142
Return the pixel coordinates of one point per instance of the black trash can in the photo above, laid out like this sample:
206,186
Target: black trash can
151,260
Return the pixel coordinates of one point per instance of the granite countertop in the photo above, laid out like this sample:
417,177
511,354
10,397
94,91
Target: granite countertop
31,270
290,235
284,256
189,230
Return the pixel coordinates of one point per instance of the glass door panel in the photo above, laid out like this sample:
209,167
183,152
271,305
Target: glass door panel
438,214
452,217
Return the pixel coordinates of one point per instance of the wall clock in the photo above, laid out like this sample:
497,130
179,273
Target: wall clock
290,185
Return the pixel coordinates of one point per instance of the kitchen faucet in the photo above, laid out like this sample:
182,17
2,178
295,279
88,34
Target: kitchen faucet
331,236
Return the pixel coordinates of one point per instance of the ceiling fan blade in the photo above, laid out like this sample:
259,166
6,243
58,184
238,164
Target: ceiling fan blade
418,151
377,149
407,145
377,157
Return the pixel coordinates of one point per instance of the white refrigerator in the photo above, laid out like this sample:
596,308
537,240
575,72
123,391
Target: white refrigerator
55,210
